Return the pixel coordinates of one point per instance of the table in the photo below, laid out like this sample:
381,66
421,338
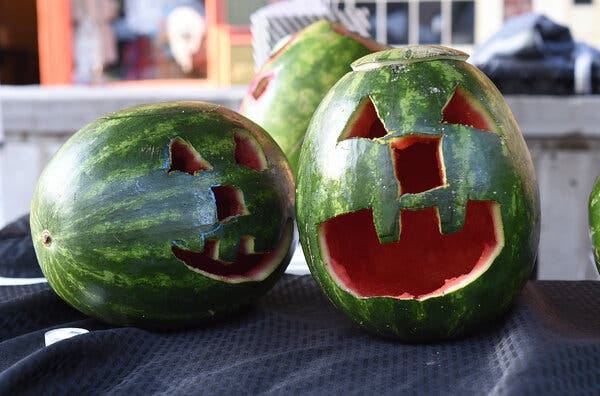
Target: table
294,342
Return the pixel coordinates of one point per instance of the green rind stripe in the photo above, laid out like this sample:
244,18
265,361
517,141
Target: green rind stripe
594,220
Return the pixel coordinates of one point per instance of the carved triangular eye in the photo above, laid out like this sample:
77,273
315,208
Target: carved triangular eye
230,202
260,85
464,109
248,151
184,158
364,123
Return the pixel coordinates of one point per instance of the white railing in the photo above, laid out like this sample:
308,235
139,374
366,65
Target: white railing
563,133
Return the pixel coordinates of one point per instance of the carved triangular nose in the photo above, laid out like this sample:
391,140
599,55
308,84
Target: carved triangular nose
418,163
230,202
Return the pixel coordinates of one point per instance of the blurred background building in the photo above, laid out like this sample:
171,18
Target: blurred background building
102,41
65,62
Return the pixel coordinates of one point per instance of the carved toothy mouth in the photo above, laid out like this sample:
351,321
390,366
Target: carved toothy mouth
423,263
248,265
182,157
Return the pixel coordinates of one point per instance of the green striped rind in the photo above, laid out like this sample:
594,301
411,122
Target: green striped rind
303,73
353,174
113,211
594,221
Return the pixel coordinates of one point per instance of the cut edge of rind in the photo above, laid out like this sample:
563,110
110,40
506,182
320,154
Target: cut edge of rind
407,55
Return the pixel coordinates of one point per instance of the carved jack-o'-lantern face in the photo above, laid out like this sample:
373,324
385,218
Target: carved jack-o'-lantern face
229,205
425,195
420,259
164,215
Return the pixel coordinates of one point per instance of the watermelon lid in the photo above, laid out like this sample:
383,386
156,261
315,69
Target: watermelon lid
407,54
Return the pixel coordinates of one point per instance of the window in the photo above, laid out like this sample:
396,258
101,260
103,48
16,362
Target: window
239,11
150,41
399,22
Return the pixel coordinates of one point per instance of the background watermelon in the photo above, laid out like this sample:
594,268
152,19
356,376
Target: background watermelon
290,85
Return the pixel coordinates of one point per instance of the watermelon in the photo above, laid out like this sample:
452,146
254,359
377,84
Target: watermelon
164,215
302,68
594,221
417,203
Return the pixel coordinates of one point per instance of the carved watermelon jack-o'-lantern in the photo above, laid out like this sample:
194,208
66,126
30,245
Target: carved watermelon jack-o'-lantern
417,204
164,215
290,85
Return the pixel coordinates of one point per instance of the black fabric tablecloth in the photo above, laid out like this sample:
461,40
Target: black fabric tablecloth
294,342
17,257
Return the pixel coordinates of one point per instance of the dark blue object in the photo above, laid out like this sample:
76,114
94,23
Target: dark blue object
532,54
17,257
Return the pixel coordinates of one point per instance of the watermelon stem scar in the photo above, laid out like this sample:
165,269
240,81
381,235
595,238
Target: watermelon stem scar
46,238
